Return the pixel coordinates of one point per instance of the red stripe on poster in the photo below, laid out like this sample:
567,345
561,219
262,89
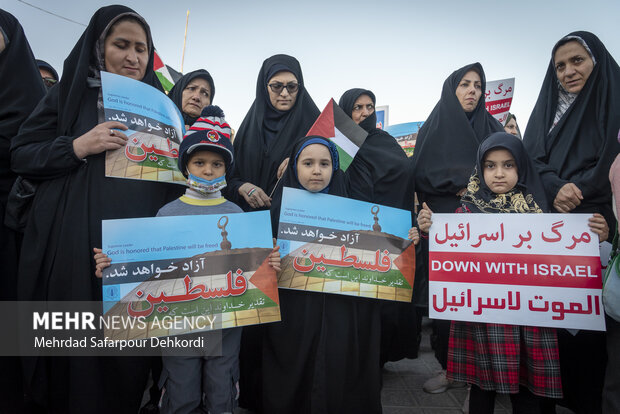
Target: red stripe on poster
516,269
496,107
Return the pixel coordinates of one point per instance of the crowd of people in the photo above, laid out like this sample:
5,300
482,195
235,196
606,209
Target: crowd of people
327,353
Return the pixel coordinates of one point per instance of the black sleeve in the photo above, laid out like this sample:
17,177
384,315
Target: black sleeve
37,152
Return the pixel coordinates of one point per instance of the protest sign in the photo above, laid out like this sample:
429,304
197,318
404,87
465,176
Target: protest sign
406,135
155,130
535,270
337,245
192,269
383,116
498,98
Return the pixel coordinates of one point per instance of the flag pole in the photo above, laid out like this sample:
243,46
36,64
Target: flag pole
184,40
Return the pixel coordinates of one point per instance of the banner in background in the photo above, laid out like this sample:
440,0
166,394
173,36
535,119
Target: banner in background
406,135
498,98
383,116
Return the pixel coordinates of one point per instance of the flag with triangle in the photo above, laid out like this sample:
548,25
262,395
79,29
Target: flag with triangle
335,124
162,73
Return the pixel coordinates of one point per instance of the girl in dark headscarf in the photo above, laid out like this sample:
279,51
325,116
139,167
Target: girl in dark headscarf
444,153
62,145
380,174
282,110
518,360
21,90
572,137
323,356
194,91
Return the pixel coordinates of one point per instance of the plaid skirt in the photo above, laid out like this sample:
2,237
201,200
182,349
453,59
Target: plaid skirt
501,357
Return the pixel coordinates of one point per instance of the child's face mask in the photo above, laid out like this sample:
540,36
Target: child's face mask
206,187
500,171
206,171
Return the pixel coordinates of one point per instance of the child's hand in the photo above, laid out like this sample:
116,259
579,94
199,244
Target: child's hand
414,235
598,225
101,262
424,218
282,168
274,258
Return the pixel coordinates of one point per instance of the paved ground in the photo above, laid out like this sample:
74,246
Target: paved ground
402,387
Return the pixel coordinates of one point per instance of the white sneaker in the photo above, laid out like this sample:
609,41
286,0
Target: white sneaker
440,383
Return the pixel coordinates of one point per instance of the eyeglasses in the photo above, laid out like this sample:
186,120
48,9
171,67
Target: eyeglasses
277,87
369,107
49,82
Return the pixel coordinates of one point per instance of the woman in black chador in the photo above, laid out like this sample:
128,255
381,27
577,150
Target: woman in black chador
62,145
21,90
445,150
380,174
192,93
572,136
282,111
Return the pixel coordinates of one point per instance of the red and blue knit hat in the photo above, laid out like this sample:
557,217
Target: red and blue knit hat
210,132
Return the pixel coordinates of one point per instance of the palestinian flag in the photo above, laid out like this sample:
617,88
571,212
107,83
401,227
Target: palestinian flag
162,73
335,124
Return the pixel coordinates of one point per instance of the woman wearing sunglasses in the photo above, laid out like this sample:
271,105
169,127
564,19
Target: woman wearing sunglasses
282,111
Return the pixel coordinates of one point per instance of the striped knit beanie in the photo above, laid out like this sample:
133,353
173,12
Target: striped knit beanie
210,132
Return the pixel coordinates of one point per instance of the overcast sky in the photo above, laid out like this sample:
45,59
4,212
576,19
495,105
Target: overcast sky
401,50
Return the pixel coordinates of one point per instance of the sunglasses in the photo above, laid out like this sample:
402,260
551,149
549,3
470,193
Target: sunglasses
277,87
49,82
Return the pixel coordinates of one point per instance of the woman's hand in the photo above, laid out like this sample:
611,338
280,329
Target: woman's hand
254,196
282,168
567,198
414,235
274,257
424,218
461,192
99,139
101,262
598,225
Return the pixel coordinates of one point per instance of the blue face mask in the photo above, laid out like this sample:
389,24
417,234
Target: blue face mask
205,187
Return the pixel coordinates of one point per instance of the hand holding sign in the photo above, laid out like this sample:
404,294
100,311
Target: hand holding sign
424,218
99,139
